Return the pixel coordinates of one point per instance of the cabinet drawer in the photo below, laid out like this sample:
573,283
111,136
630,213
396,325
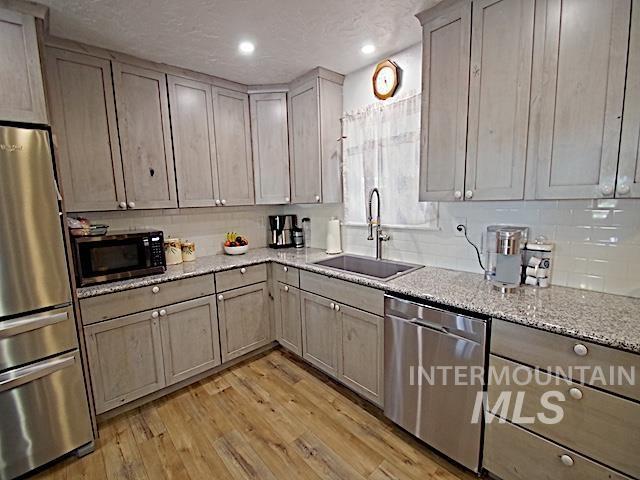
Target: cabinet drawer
241,277
104,307
365,298
589,415
285,274
554,352
513,453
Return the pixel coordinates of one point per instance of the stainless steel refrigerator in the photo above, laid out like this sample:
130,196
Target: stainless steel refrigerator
43,404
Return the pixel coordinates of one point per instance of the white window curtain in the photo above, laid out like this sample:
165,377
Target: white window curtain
382,149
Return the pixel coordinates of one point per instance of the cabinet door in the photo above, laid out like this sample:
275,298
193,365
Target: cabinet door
145,136
83,117
233,141
289,320
193,142
331,140
125,359
190,342
270,147
320,329
22,93
244,320
501,56
445,91
361,350
304,144
628,184
581,71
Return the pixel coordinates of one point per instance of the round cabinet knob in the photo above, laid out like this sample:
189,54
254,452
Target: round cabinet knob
580,350
163,312
122,205
468,194
155,289
318,198
285,269
337,307
606,189
624,189
575,393
154,314
286,288
566,460
287,199
220,297
332,306
223,201
457,194
132,204
217,202
243,270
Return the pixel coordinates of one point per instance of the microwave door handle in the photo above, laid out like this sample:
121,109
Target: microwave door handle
10,328
24,375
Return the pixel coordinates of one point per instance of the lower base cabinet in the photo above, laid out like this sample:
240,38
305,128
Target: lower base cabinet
244,318
289,318
320,331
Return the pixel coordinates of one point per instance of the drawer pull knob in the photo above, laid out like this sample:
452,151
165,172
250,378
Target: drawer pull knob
154,314
217,201
220,297
223,201
155,289
243,270
575,393
285,269
580,349
163,312
332,306
566,460
337,307
286,288
122,205
132,204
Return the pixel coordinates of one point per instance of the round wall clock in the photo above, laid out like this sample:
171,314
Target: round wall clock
385,79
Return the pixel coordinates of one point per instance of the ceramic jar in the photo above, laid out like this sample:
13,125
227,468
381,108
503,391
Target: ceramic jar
188,251
172,251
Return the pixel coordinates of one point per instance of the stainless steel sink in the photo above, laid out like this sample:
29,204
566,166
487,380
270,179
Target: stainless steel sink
369,267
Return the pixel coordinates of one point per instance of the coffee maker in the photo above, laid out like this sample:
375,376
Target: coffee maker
504,247
281,229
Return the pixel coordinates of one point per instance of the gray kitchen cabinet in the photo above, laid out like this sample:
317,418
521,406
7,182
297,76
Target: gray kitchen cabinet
270,141
244,320
194,142
578,80
315,131
83,117
499,88
22,93
190,340
320,330
288,318
361,347
125,359
145,136
233,146
628,183
445,90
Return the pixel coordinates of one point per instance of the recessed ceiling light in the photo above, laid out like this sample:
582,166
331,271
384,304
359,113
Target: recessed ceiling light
368,49
246,48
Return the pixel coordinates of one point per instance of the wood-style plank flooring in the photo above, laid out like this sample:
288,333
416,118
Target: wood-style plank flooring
268,418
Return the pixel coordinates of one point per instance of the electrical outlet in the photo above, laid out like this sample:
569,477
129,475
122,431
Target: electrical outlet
459,221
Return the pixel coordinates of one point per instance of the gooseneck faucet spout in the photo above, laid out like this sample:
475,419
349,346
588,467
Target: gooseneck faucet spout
380,236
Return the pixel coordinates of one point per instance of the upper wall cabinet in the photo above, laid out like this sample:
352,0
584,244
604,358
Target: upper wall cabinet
233,141
194,142
21,91
579,77
145,136
270,147
445,89
83,117
315,137
628,184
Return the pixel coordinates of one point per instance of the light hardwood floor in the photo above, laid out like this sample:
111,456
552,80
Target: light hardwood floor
272,417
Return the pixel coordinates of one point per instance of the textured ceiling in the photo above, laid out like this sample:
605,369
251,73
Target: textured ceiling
291,36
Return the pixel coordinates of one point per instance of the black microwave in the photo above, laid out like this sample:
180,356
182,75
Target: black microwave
117,256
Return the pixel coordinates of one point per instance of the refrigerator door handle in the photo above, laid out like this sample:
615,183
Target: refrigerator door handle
21,376
10,328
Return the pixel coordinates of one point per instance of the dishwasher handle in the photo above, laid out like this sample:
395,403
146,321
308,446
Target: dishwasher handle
427,324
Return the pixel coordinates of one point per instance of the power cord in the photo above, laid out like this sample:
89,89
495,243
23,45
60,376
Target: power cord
462,228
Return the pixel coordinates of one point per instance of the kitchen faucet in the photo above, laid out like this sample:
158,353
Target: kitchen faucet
380,235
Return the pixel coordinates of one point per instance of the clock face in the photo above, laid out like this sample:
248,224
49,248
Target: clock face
385,80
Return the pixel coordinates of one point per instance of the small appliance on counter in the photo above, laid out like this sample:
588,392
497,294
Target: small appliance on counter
118,255
281,230
491,246
505,247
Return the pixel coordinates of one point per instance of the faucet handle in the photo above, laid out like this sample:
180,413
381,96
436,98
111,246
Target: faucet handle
384,237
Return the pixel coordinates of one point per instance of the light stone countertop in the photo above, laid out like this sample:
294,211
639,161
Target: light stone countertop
611,320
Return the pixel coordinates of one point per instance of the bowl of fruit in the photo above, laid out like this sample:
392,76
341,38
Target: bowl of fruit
235,244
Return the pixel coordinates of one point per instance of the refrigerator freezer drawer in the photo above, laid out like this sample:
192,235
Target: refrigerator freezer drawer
31,337
44,413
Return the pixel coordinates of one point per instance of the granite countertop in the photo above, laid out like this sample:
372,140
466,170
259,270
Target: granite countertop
607,319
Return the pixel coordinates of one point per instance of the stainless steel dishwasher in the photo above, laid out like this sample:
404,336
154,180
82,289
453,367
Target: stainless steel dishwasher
424,347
